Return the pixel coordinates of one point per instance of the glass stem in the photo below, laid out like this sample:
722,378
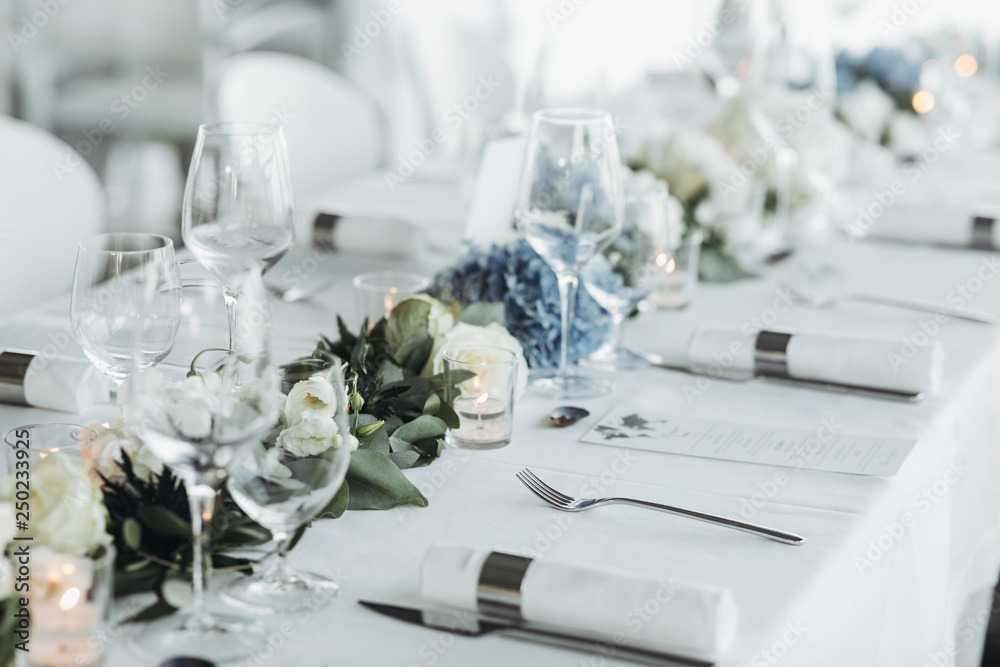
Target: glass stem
568,283
273,566
617,319
201,498
231,317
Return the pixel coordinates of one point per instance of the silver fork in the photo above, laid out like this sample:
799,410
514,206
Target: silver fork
817,300
570,504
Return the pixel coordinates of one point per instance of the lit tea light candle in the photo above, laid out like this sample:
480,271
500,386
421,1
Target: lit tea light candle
65,620
483,419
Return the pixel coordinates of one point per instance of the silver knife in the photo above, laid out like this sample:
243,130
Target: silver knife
471,624
735,376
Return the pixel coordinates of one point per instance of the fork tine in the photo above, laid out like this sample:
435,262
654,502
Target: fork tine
562,496
543,491
545,499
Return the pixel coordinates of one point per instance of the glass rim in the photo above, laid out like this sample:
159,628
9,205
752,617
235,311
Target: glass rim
238,128
571,115
78,428
362,280
448,355
165,242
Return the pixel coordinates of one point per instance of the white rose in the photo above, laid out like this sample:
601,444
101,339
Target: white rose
104,451
440,319
311,434
67,509
468,335
313,395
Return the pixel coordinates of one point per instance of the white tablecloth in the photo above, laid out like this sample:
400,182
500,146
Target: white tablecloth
889,564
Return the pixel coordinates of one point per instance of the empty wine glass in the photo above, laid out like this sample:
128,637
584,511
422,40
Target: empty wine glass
112,270
286,481
196,419
569,207
238,210
633,265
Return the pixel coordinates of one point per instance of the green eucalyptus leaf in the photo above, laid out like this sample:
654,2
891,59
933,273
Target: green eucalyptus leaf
176,592
377,441
424,426
428,446
448,415
138,577
404,460
483,313
399,445
338,505
164,521
432,404
376,483
132,533
158,609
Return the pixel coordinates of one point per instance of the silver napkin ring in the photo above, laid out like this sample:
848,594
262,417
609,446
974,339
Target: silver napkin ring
771,353
499,591
324,227
982,232
13,368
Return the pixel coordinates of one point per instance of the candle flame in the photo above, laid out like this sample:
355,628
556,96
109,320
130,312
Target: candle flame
206,515
481,399
966,65
662,259
69,599
671,265
389,305
923,101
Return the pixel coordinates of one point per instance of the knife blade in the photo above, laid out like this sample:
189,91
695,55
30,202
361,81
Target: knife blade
471,624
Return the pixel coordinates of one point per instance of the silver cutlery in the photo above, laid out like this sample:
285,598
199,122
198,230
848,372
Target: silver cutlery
299,293
471,624
813,299
570,504
739,376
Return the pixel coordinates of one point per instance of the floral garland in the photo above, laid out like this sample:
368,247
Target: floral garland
121,492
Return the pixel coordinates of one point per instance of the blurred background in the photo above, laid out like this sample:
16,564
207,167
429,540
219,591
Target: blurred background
125,83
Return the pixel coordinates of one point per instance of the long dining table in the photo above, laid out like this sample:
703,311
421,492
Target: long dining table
895,570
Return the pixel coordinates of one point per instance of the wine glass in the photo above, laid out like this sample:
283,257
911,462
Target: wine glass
286,481
569,207
112,270
633,266
196,418
238,210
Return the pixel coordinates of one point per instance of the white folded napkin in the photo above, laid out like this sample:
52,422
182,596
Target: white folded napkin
64,384
683,618
366,236
935,222
880,362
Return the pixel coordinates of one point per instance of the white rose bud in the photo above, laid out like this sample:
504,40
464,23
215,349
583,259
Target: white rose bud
353,442
313,395
311,434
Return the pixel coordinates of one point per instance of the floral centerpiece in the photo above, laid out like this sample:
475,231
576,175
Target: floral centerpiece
121,492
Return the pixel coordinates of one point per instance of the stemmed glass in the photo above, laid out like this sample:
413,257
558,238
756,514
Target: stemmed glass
238,210
633,266
286,481
196,419
569,208
112,271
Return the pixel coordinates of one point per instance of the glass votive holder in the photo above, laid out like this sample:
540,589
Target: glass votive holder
70,600
24,446
377,293
480,385
681,281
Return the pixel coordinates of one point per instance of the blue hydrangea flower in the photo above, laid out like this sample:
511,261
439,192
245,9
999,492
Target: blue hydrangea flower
895,72
515,275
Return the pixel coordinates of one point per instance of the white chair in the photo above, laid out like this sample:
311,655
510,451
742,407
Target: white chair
333,129
50,198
